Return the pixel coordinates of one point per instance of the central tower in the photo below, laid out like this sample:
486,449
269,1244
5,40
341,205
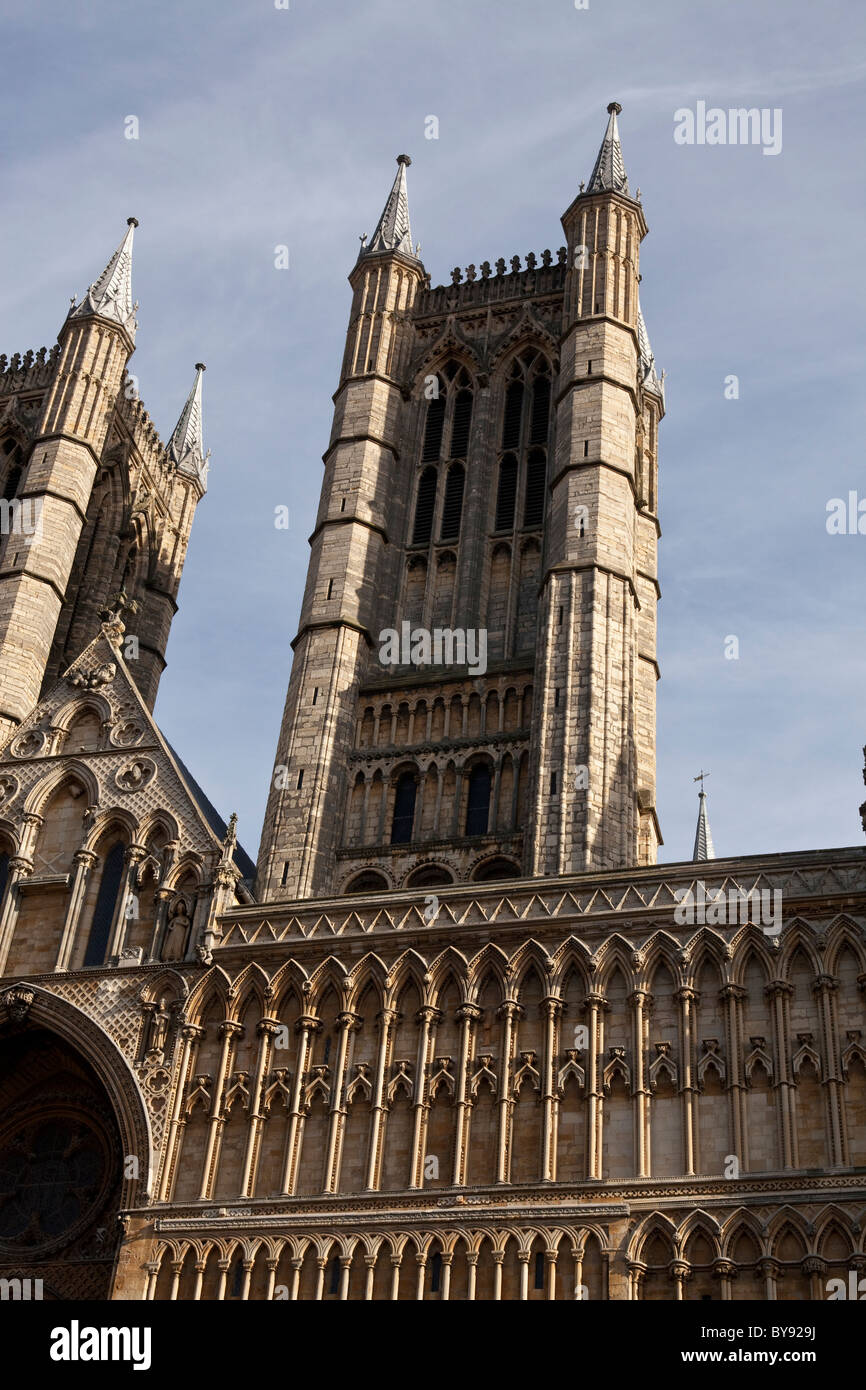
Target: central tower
473,687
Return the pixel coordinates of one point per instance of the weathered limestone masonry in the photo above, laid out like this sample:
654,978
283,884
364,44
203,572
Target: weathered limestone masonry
492,471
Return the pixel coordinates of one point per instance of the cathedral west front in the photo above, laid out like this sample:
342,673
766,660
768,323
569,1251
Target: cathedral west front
456,1034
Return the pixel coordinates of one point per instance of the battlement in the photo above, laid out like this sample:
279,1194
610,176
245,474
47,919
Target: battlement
494,284
28,372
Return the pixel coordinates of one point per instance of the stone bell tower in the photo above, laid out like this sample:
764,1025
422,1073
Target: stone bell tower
490,501
593,801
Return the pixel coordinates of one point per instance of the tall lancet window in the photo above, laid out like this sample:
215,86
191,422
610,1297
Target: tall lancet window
404,809
106,902
478,801
525,435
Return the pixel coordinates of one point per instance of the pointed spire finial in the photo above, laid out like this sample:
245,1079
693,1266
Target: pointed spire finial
703,839
185,449
110,297
608,174
393,232
649,377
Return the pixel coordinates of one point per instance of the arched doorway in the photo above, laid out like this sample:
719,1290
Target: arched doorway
61,1166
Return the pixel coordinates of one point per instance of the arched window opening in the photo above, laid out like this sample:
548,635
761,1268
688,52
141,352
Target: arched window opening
106,901
452,509
334,1276
494,869
404,809
536,480
369,882
429,876
478,803
237,1283
433,428
540,419
424,507
460,425
435,1272
539,1269
506,495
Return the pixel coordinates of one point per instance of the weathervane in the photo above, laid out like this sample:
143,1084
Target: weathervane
700,778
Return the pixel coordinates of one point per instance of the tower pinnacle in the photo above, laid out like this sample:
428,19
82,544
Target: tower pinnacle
393,232
703,839
608,174
110,297
185,448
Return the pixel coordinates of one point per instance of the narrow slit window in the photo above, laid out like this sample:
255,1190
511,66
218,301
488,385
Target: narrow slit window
330,588
300,780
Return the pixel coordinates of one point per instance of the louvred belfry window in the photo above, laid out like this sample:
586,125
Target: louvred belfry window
424,507
525,438
536,478
452,509
433,428
506,495
460,424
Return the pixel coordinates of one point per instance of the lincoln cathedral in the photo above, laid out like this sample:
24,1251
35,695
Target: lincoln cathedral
452,1036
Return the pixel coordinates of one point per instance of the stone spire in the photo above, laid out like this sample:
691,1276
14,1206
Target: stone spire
703,839
650,379
110,297
608,175
185,448
393,232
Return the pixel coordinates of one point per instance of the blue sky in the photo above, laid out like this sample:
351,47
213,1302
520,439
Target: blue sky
261,127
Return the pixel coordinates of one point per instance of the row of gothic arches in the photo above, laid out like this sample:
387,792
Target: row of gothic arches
464,1075
785,1258
442,799
389,724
